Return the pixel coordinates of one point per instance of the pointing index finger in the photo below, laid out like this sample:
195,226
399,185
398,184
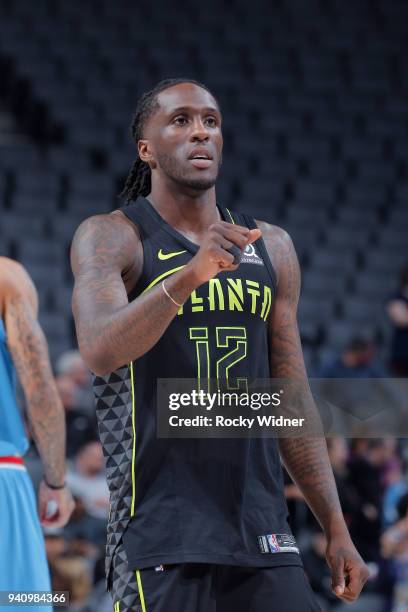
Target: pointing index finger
254,234
239,228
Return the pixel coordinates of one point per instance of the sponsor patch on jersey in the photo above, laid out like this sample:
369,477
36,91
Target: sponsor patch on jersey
277,543
250,256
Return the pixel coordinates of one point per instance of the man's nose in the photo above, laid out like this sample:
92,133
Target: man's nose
199,131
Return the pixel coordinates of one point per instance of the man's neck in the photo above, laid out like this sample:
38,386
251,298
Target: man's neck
185,210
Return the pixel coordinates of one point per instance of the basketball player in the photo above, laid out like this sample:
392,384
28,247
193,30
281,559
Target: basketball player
22,344
196,525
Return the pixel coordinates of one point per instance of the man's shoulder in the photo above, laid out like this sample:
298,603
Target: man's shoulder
10,266
277,240
101,227
112,222
269,230
272,231
15,282
279,247
109,239
13,275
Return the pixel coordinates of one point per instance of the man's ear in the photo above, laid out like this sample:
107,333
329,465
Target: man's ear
145,153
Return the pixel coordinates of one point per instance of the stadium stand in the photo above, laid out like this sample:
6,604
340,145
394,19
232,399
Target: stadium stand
314,100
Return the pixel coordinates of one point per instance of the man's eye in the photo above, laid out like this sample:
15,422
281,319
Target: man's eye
211,121
179,120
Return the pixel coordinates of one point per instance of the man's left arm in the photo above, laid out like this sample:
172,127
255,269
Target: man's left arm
306,458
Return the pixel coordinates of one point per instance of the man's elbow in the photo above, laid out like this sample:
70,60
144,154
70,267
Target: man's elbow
95,354
97,360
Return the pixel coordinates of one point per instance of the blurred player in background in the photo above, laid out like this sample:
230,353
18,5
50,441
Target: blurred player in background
23,347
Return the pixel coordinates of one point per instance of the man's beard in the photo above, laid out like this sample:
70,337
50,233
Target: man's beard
171,168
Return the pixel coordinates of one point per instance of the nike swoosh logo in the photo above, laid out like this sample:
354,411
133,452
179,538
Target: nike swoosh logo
164,256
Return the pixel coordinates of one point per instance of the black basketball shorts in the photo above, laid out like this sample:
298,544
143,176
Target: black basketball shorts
200,587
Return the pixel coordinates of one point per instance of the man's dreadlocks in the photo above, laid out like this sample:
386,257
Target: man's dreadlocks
138,182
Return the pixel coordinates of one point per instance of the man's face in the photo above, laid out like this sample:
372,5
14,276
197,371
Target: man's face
183,139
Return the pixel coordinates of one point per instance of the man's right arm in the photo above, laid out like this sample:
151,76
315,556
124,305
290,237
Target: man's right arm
111,331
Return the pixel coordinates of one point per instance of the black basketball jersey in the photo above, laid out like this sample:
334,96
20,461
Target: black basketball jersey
194,500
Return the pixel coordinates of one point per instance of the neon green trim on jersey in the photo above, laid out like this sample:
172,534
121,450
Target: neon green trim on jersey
159,278
140,587
132,509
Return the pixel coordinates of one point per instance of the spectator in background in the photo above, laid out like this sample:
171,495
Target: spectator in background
71,574
395,488
64,554
397,309
365,476
354,397
394,545
357,360
86,477
71,366
56,544
338,455
74,386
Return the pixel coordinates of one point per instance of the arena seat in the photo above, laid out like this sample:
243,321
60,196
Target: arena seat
314,107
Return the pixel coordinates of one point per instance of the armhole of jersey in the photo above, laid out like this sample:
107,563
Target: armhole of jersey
145,274
250,222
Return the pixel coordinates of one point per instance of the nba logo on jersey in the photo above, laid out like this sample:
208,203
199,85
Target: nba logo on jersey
273,543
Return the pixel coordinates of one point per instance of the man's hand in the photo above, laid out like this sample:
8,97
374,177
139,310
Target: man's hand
349,572
214,256
54,506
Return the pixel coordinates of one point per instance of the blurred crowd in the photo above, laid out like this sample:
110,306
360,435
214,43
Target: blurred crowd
76,553
371,476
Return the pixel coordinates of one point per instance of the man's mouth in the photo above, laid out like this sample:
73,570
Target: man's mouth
201,159
201,162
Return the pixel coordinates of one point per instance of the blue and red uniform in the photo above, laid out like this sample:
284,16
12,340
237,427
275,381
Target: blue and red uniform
23,565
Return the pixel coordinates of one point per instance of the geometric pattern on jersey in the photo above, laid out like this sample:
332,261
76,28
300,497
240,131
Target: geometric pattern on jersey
114,410
124,583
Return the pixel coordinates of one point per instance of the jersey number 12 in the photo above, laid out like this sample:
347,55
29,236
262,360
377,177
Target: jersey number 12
234,339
